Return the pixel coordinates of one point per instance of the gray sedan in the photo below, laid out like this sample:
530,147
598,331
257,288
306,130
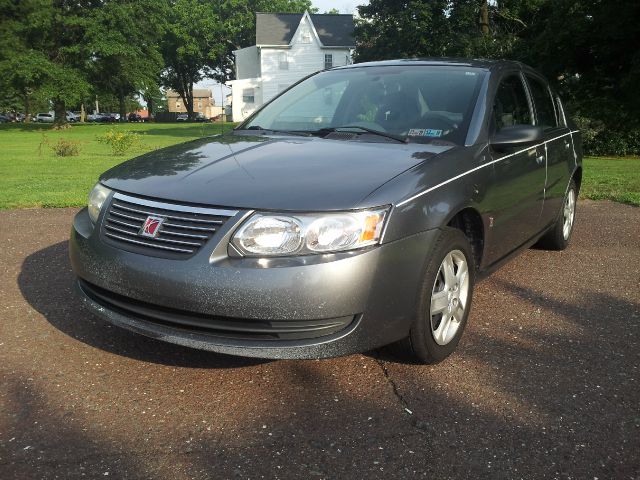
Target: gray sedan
354,210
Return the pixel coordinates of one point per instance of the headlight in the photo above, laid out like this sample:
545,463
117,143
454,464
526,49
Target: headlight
265,234
97,198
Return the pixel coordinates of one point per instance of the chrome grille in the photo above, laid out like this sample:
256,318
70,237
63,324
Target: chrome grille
183,232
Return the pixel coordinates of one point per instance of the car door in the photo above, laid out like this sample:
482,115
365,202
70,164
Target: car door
558,146
516,196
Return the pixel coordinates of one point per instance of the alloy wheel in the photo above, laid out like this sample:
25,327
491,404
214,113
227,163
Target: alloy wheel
569,213
449,297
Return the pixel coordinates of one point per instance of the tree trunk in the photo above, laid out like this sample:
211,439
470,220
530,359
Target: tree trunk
190,105
484,17
27,109
123,107
60,110
186,94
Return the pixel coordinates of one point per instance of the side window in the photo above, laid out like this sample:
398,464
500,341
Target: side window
545,113
510,106
328,61
283,61
248,95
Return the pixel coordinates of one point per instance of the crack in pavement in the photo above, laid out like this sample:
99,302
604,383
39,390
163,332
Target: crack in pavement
419,426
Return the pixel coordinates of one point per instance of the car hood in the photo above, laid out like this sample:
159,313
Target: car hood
267,172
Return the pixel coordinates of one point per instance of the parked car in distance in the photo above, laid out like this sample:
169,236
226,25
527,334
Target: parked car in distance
92,117
72,117
4,118
356,209
108,118
183,117
45,117
12,116
200,117
134,117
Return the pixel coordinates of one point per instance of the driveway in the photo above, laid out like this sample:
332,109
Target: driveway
545,383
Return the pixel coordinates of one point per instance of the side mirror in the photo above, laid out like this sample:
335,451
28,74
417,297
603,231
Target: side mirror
515,136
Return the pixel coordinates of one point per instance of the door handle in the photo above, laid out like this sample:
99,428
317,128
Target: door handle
540,159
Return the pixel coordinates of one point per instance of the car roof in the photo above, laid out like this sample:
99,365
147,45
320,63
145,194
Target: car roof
444,61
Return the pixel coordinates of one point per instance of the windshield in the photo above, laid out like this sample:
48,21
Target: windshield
418,102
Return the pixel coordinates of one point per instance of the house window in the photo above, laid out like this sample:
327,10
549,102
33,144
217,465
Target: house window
283,61
328,60
305,37
248,95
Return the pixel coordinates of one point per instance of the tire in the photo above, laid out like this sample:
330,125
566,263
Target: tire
434,336
557,238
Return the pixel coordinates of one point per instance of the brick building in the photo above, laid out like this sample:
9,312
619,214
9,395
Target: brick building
203,102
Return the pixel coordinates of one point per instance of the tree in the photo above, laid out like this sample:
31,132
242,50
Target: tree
401,29
590,57
191,46
46,36
56,29
455,28
155,100
25,72
125,55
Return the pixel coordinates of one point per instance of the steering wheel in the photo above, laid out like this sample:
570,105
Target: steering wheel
438,121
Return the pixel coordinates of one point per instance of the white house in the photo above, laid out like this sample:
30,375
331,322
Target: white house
289,46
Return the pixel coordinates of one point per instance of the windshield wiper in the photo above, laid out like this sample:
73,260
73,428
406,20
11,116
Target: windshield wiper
286,132
327,130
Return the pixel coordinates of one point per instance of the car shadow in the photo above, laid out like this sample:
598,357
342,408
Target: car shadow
45,282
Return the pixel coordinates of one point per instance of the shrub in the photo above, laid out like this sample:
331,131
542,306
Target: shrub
119,142
66,148
600,139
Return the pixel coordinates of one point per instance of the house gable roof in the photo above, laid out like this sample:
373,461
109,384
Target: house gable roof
279,28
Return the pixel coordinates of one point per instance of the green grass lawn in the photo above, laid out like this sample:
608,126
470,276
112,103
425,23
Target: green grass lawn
616,179
32,176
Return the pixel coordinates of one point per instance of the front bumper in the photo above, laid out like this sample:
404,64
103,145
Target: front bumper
372,293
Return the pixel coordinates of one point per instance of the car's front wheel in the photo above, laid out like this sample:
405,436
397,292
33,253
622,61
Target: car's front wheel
444,301
558,237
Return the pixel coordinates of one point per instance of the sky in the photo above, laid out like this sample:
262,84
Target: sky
344,6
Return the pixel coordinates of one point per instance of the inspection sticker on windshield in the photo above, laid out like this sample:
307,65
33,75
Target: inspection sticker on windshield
424,132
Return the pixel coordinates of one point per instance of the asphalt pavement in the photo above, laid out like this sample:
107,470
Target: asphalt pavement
545,382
